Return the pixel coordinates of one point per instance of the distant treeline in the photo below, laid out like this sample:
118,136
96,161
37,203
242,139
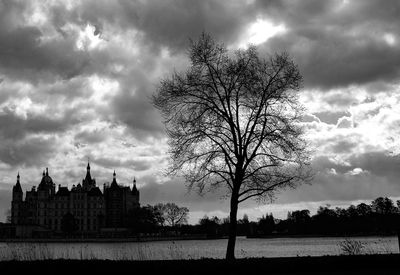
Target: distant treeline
381,216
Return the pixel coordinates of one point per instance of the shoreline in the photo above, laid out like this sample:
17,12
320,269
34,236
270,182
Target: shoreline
181,238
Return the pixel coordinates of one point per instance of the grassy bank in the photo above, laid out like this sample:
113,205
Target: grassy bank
360,264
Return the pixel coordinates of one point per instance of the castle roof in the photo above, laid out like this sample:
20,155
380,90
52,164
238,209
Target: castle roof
62,191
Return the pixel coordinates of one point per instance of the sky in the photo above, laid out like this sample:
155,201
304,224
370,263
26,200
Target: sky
76,78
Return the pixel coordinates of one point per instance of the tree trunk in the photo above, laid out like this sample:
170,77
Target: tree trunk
230,251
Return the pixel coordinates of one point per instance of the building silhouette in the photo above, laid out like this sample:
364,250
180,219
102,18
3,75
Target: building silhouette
83,209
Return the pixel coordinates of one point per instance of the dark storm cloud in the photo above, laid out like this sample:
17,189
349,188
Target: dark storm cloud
132,106
15,127
30,151
24,56
92,137
335,44
338,44
135,164
26,52
166,23
343,146
378,176
379,163
23,140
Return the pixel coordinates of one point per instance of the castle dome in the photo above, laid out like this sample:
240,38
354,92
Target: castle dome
46,181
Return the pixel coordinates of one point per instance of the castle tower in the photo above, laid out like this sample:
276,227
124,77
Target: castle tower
17,202
114,182
46,186
88,182
17,193
135,192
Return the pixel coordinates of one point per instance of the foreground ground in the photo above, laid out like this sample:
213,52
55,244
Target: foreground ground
360,264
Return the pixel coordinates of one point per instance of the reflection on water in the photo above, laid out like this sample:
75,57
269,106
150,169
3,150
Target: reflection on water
192,249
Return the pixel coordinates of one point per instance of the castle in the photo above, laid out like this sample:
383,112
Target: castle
84,209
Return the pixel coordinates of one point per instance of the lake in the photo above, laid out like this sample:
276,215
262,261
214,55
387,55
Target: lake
194,249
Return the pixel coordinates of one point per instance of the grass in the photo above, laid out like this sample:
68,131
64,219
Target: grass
356,247
82,251
351,247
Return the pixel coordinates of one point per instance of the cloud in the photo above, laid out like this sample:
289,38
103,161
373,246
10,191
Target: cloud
76,80
330,117
14,126
30,151
26,56
132,107
344,122
137,165
91,137
338,43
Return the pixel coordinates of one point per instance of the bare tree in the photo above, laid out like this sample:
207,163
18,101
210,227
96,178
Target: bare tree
173,214
233,122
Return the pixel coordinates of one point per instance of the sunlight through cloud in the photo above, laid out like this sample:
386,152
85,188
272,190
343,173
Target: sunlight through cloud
259,32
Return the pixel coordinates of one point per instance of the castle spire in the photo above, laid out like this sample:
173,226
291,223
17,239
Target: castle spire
17,187
87,181
47,171
88,176
114,182
134,189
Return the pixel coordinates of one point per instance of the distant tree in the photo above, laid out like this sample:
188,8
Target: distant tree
326,211
225,220
233,123
157,214
244,225
325,220
173,214
266,224
299,221
210,226
299,216
383,206
352,212
363,209
245,219
144,219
